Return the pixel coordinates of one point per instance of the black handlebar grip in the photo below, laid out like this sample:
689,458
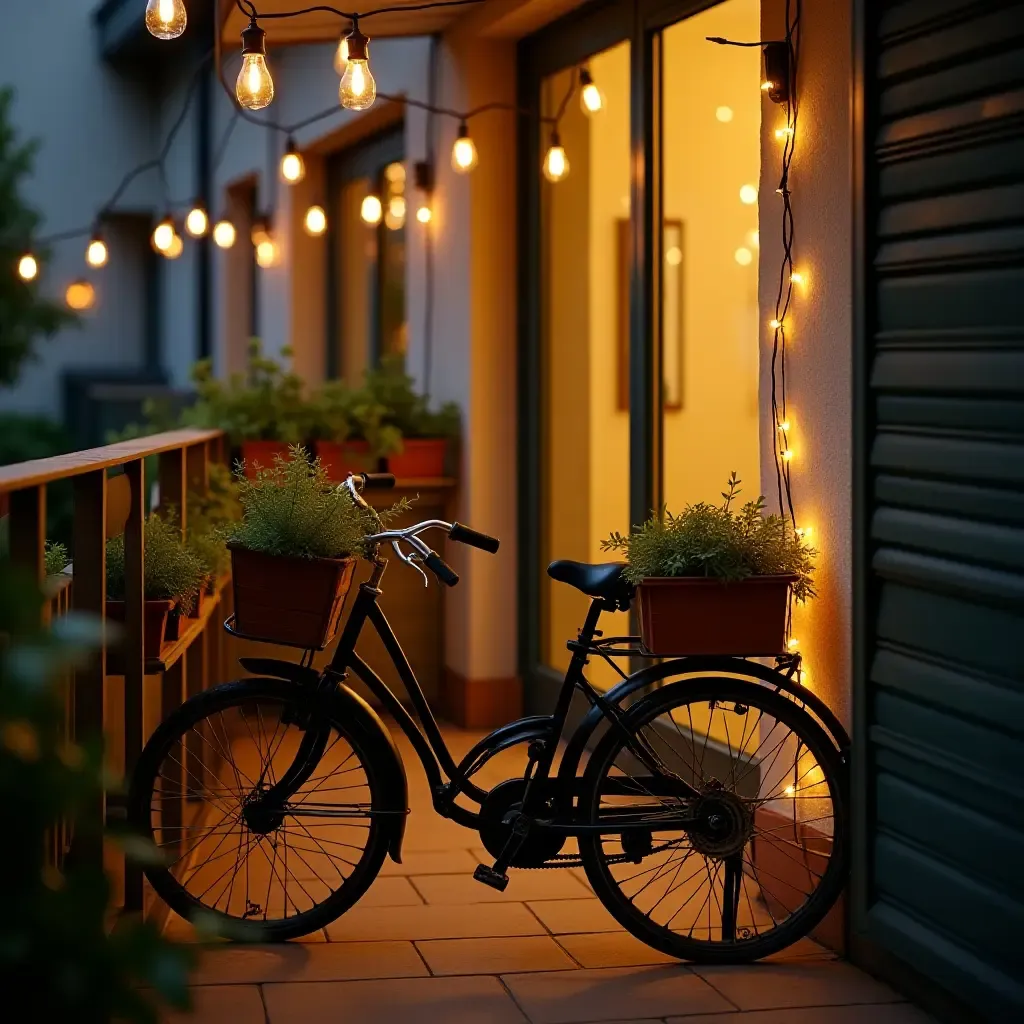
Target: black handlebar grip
378,481
464,535
441,569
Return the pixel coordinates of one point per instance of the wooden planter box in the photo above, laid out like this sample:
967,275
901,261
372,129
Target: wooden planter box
421,458
294,601
154,623
686,615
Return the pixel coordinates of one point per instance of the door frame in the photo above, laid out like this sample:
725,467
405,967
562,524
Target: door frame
557,47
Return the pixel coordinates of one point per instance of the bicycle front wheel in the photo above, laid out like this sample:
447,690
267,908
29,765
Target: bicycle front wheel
740,796
257,876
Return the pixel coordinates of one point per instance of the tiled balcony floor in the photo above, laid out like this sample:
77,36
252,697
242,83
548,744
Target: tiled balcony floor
427,943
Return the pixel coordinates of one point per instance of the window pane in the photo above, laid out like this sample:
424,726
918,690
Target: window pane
585,471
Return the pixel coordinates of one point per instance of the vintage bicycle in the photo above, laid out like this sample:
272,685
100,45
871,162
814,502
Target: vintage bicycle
705,797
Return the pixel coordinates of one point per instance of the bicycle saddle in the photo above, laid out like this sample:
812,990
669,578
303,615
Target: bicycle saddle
603,580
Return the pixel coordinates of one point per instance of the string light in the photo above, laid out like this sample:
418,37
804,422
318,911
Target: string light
787,454
556,163
744,257
96,254
591,98
423,176
254,87
784,133
774,324
748,195
424,214
197,223
80,295
266,253
224,234
754,237
395,216
357,89
789,790
784,427
371,209
767,86
724,114
176,247
28,267
315,221
293,167
166,19
163,235
260,230
792,643
464,156
798,277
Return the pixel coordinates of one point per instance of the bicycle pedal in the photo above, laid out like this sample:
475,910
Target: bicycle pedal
490,877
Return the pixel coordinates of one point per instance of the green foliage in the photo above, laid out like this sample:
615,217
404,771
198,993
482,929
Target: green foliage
331,415
263,404
391,388
171,571
704,540
292,508
208,516
59,959
24,313
55,557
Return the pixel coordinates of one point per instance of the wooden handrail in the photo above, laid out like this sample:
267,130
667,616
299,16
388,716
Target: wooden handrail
58,467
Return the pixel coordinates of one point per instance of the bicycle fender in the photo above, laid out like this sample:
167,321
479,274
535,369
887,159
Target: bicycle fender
697,665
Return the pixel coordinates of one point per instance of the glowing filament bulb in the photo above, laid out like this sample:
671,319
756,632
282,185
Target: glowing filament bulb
96,255
423,214
748,195
464,156
371,209
767,86
783,133
805,532
254,88
357,89
28,267
224,234
266,253
175,249
556,163
792,643
784,427
293,167
789,790
798,278
787,454
80,295
394,218
316,221
591,98
166,19
744,257
197,223
774,324
163,235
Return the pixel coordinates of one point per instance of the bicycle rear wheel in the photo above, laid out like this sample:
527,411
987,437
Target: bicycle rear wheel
257,878
765,856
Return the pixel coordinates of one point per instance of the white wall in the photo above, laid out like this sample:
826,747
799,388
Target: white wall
92,125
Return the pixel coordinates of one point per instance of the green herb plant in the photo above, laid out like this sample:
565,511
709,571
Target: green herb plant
55,557
59,956
293,509
171,571
715,541
391,389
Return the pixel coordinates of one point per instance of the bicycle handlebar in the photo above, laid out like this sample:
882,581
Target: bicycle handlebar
464,535
377,481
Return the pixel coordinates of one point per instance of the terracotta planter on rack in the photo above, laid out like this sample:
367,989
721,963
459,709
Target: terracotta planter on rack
340,458
154,623
295,601
262,453
420,458
684,615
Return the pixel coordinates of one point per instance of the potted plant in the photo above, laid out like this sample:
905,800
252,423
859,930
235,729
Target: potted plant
209,514
714,581
293,552
55,558
173,578
262,411
422,435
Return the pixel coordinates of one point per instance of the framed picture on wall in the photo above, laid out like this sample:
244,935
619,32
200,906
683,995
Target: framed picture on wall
672,269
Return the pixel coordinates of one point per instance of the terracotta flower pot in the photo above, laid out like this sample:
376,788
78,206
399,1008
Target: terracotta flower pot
685,615
340,458
420,458
296,601
154,623
262,453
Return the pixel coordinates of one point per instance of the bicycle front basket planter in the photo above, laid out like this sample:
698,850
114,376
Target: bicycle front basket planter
287,600
684,615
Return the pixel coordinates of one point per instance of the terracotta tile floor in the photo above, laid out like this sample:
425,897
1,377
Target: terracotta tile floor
428,944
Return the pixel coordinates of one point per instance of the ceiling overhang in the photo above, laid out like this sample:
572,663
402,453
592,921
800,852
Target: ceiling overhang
124,41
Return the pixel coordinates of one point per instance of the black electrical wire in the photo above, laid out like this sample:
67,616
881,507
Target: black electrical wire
250,11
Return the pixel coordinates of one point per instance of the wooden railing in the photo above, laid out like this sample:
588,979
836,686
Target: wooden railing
121,694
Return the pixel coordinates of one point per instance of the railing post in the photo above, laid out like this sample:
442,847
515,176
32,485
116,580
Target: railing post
132,646
28,529
174,483
90,592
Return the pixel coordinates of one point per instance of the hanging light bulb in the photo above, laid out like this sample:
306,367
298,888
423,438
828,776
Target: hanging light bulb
341,55
163,235
315,221
464,157
424,213
395,216
260,231
96,254
197,223
357,89
166,19
371,209
224,234
176,248
266,253
293,167
28,267
254,88
80,295
591,98
423,176
556,164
